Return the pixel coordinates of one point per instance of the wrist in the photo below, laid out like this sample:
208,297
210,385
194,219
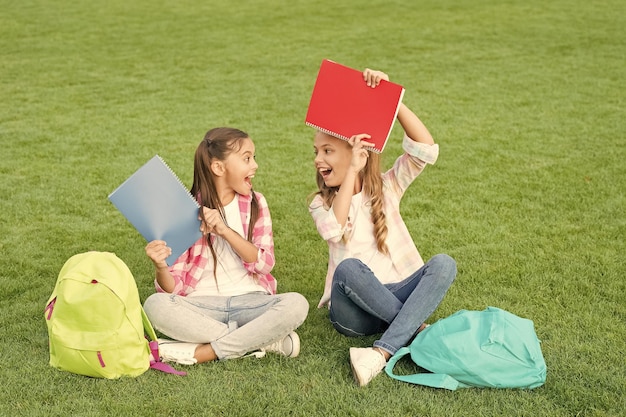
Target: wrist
223,231
352,174
161,266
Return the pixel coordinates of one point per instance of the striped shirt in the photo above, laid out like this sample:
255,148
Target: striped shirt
187,270
405,257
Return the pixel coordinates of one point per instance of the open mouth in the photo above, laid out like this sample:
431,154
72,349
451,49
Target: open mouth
248,180
325,172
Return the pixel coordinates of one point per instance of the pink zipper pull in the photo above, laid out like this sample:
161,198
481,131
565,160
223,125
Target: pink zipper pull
50,307
101,360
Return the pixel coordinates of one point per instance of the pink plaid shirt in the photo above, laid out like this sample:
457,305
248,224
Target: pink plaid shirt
404,255
187,270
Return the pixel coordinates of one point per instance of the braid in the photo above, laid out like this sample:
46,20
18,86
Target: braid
254,216
380,225
373,188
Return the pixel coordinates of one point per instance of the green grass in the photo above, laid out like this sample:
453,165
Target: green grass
526,100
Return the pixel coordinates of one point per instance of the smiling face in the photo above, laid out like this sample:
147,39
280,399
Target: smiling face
332,158
239,168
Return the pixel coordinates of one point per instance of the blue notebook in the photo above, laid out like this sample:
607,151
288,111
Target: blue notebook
158,205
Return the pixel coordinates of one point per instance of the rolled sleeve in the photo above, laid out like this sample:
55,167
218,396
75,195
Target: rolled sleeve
422,151
325,221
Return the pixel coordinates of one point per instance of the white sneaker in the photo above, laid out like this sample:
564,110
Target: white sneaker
289,346
179,352
366,363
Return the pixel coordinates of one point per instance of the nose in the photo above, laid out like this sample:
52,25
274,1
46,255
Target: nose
318,158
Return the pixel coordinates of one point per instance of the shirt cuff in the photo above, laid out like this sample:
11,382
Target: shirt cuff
423,151
335,234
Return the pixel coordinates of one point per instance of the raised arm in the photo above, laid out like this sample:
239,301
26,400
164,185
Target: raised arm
413,126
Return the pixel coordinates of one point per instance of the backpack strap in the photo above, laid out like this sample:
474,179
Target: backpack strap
427,379
155,361
147,326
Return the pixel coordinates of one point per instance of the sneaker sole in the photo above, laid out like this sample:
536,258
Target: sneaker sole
295,345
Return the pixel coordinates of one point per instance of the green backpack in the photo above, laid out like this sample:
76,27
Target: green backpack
96,324
490,348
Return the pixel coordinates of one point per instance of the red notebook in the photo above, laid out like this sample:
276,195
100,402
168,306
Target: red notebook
342,105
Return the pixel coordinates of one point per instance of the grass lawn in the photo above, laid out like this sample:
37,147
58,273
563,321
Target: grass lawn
525,98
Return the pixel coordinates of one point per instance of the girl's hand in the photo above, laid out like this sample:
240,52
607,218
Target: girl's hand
359,153
324,301
158,251
372,77
213,222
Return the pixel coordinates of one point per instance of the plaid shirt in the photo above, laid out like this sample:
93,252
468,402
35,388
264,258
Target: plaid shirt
404,255
187,270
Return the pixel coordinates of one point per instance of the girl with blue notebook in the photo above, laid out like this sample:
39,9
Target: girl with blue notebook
218,300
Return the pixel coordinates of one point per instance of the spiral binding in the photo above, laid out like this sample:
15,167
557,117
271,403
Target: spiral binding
338,136
328,132
178,179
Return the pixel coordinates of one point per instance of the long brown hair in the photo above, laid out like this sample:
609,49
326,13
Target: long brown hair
217,144
372,187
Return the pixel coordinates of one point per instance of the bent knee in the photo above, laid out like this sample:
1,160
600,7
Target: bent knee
348,264
154,304
444,259
298,306
149,304
349,267
446,263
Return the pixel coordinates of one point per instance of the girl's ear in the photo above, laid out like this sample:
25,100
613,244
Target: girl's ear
217,167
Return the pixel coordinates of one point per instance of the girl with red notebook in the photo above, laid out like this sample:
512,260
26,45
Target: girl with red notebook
377,281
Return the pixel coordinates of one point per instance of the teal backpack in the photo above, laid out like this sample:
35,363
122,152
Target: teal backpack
490,348
96,324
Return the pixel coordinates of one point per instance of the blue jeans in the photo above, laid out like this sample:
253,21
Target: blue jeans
233,325
361,305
